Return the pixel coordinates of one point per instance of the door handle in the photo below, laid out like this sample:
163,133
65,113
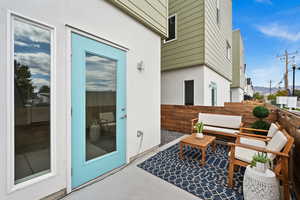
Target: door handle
123,117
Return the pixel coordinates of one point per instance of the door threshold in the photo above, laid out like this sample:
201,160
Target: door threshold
100,178
97,179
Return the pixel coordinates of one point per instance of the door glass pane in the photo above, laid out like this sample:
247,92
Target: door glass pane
100,106
32,61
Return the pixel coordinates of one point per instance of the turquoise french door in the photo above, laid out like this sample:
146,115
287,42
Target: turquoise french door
98,108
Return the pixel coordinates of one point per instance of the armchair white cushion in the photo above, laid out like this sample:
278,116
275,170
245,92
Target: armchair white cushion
253,142
244,154
277,143
272,130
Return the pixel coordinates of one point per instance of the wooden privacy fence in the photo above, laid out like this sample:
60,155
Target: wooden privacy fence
178,118
291,123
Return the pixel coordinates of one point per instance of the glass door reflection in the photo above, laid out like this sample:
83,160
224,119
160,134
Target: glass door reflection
100,106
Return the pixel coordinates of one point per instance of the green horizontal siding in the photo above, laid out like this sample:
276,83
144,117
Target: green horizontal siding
152,13
216,37
238,76
188,48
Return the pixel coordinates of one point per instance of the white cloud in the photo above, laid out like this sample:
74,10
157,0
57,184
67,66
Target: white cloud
268,69
279,31
100,74
22,44
264,1
39,63
30,32
92,58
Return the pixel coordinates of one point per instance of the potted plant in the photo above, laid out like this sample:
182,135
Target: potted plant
199,127
94,131
260,162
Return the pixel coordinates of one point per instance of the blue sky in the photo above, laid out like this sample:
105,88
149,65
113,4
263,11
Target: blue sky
268,28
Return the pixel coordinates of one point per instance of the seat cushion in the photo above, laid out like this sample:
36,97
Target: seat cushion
253,142
243,154
273,129
221,130
277,143
230,121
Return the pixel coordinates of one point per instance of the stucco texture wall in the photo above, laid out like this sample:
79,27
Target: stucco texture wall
172,86
142,96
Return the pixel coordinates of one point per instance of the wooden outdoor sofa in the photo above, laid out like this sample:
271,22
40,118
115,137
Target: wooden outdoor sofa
218,124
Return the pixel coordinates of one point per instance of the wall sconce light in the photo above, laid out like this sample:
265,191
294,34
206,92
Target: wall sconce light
140,66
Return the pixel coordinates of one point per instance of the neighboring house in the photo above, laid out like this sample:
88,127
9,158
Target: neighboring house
196,58
238,68
249,89
96,58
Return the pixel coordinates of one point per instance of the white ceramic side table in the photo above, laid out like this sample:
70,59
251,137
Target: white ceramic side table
260,186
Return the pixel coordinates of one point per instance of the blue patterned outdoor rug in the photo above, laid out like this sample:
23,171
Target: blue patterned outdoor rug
207,182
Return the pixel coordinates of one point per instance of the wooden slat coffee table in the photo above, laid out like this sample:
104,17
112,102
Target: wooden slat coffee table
201,144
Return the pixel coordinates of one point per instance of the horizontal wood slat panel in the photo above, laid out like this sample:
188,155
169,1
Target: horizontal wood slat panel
291,123
178,117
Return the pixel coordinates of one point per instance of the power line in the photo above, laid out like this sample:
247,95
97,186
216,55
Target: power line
287,57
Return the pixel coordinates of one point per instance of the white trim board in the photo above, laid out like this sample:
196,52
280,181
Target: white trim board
81,31
174,15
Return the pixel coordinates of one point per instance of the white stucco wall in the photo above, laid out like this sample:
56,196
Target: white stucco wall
143,88
237,95
249,90
223,87
172,86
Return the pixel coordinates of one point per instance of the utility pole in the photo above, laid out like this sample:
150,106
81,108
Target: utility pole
294,74
287,57
270,87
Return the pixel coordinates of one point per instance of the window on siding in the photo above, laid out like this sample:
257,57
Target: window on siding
213,88
172,28
189,92
218,12
228,51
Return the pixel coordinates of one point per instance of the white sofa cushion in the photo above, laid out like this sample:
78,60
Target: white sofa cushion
273,129
253,142
229,121
277,143
223,130
107,117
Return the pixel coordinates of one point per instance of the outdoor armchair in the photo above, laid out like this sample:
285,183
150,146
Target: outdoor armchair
277,149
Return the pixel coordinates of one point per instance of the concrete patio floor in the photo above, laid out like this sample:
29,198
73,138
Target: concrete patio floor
132,183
